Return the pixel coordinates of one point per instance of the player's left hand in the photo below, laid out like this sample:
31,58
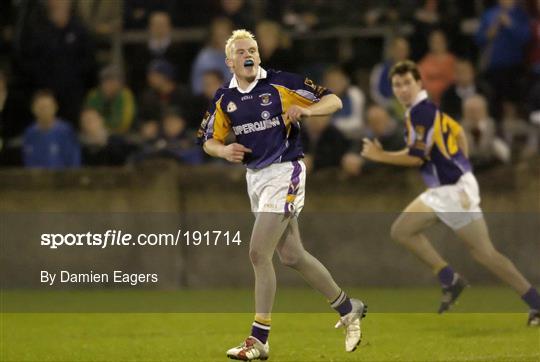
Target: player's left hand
372,149
295,113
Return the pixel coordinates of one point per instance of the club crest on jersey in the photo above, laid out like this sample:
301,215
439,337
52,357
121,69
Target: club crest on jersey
265,99
265,115
231,107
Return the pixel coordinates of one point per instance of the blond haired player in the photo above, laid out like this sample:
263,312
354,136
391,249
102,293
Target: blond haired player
263,109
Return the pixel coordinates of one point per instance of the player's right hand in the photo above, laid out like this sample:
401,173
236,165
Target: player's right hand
234,152
295,113
371,149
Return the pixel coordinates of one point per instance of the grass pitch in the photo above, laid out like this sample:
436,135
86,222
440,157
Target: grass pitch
487,325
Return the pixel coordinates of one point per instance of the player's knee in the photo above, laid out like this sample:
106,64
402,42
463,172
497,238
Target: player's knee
258,258
397,233
291,260
485,257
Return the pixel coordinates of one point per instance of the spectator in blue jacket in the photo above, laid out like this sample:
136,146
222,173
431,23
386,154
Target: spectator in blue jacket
212,56
502,36
380,86
49,142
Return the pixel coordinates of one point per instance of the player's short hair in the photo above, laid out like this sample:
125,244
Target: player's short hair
237,35
404,67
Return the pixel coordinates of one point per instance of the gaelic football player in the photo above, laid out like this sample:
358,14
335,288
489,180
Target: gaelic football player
437,145
262,108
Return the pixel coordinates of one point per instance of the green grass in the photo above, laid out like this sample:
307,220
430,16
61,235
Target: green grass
396,329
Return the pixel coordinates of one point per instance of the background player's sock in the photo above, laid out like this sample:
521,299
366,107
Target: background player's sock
260,329
342,304
446,276
532,298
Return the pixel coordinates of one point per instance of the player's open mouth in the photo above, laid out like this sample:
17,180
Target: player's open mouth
249,63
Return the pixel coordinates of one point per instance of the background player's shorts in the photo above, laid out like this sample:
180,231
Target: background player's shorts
278,188
456,205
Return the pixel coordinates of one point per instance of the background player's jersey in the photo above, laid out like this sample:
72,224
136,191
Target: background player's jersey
432,136
257,117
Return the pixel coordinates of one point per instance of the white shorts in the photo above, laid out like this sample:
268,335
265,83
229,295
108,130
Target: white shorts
456,205
278,188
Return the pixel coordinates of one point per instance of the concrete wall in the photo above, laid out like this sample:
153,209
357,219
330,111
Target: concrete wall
345,223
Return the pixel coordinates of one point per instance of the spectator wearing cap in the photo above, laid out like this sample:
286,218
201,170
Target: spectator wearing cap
113,100
163,93
212,56
50,142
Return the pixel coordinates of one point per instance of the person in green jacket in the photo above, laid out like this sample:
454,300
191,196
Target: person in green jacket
113,100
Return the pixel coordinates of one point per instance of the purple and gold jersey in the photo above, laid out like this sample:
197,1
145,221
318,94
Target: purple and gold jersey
257,116
432,136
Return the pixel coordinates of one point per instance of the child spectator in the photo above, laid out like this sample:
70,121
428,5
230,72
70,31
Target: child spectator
50,142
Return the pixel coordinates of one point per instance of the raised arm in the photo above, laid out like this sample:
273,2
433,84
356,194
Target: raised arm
328,104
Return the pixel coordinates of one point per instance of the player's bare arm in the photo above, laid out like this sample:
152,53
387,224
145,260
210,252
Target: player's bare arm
373,151
233,152
327,105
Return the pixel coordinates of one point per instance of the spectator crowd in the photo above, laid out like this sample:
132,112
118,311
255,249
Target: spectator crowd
73,94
